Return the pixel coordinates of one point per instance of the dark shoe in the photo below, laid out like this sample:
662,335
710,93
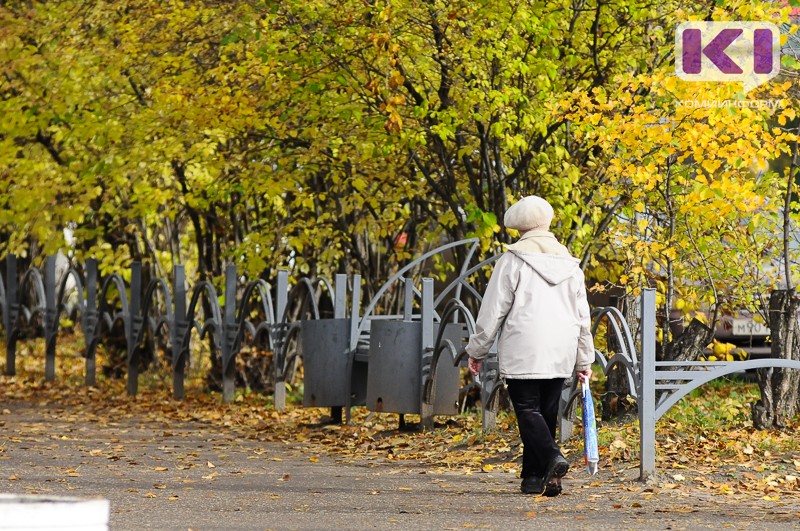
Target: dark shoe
557,469
532,485
553,488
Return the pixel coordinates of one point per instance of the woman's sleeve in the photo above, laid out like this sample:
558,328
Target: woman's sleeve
495,306
585,340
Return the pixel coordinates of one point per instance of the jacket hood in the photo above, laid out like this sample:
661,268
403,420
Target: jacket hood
538,241
554,269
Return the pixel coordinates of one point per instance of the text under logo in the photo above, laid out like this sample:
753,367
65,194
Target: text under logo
728,51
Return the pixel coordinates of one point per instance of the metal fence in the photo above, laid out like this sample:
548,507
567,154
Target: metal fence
390,363
101,304
407,364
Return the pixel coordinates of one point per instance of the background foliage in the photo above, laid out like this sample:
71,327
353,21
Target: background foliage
333,136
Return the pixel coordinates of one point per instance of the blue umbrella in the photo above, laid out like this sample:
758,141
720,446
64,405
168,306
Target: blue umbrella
589,431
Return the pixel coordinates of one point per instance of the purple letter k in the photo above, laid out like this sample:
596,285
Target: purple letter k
714,50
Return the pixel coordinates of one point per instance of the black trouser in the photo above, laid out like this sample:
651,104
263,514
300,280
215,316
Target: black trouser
536,405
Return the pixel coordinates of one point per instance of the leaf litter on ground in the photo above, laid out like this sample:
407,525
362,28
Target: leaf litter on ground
706,443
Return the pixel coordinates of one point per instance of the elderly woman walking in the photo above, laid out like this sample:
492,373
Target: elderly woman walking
536,302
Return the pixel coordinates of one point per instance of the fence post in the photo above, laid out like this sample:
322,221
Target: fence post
566,416
281,331
134,321
12,307
180,327
229,336
50,325
355,311
647,397
340,312
426,316
408,299
340,296
89,321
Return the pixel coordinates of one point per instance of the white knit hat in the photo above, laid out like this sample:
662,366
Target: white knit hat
529,213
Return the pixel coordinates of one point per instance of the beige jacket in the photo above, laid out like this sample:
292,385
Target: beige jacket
536,301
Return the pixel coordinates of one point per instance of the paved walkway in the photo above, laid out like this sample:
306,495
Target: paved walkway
190,476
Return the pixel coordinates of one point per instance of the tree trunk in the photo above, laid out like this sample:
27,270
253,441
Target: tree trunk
690,344
779,387
686,347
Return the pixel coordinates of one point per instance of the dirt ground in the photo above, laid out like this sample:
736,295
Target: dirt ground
190,475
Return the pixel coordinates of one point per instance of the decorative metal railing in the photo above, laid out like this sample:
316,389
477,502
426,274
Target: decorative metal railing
409,363
141,310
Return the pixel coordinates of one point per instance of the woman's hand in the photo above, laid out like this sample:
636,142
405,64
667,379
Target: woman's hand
475,366
584,376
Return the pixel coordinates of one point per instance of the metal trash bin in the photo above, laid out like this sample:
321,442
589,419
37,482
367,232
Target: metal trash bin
325,344
395,369
448,376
